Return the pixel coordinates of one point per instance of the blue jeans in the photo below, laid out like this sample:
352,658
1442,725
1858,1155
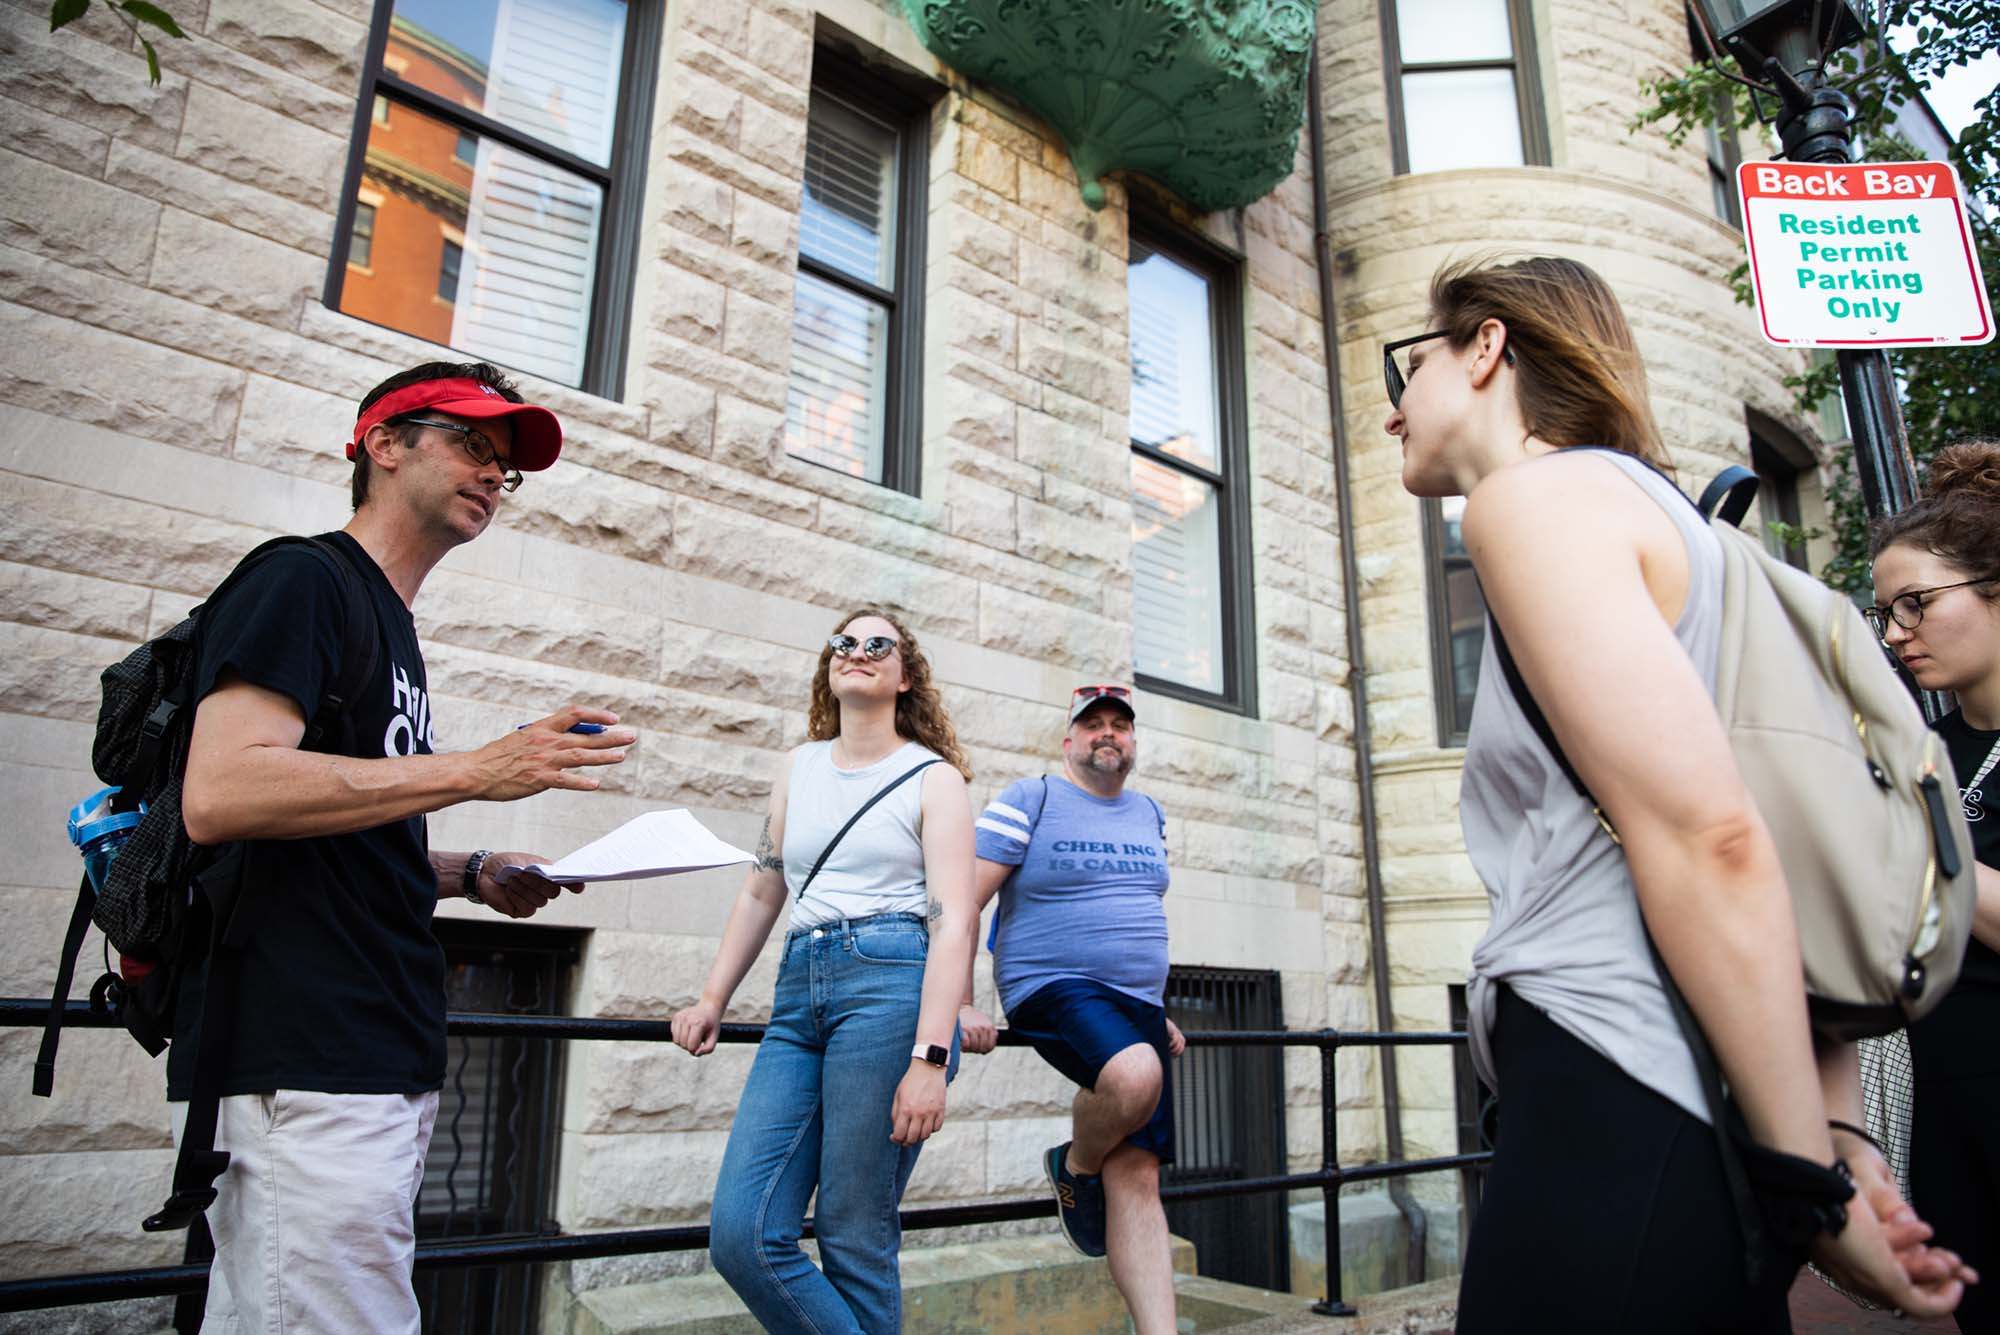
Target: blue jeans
815,1114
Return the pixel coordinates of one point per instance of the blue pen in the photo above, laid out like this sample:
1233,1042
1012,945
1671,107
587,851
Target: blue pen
587,729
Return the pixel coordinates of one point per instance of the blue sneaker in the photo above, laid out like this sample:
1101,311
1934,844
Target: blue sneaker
1079,1201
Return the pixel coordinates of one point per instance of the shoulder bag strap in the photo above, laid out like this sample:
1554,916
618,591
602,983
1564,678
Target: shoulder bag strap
993,927
834,843
1722,1114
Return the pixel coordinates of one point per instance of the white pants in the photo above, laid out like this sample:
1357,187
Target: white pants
312,1220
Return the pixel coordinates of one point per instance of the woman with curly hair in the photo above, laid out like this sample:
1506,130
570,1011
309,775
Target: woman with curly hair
1937,588
868,849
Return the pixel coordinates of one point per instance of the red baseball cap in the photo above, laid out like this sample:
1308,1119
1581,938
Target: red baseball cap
537,434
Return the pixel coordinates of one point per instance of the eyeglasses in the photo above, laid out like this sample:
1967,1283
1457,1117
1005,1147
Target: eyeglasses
1093,692
1397,379
474,443
1392,374
1907,609
875,648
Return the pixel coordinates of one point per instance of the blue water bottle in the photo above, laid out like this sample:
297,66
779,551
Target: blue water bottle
99,832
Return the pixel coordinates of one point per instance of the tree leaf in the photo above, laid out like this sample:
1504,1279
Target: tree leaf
66,11
154,15
152,60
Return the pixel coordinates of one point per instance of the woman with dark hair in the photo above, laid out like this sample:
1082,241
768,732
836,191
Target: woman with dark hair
868,850
1607,1206
1937,592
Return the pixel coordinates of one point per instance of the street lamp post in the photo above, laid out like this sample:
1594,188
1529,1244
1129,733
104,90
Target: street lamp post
1782,48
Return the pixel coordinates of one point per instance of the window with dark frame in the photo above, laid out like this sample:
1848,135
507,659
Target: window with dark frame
1191,602
852,402
362,244
1724,153
491,1169
1463,90
1778,499
1229,1124
1457,618
454,255
518,135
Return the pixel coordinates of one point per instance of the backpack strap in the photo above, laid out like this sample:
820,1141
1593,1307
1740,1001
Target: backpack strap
1725,1119
79,924
232,913
993,928
1727,497
880,793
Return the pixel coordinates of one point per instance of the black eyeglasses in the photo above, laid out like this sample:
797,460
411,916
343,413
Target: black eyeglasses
1907,609
875,648
1393,375
474,443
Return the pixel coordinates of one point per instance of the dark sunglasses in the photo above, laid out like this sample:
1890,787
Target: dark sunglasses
1092,692
875,648
474,443
1392,373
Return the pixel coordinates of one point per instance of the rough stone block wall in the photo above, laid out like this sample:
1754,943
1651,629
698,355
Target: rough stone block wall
173,390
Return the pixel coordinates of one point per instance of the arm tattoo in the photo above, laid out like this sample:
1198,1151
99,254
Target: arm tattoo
935,911
767,854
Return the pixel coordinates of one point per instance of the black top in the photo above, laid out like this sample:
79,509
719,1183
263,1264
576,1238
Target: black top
342,985
1959,1037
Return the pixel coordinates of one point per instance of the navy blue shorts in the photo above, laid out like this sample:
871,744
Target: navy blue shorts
1079,1025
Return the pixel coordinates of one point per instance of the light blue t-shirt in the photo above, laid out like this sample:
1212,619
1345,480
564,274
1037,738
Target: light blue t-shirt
1085,897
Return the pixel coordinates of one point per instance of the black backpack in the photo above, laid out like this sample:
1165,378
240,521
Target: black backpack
167,902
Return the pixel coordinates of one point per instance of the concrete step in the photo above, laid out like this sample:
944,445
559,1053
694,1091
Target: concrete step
1032,1285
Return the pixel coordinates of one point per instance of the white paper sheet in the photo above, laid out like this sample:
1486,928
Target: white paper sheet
659,843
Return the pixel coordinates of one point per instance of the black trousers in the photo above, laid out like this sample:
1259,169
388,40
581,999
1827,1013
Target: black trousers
1605,1209
1955,1178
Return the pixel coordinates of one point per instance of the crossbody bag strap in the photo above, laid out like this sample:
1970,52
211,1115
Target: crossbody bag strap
880,793
1748,1215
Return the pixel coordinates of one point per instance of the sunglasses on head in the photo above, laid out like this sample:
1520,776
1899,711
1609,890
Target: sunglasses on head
875,648
1093,692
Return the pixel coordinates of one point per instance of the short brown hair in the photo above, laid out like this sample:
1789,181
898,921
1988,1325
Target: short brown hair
483,372
1580,378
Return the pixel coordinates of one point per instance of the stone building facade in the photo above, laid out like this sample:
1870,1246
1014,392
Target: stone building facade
175,386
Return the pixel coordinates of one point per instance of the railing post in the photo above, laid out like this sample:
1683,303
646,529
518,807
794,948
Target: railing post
1329,1162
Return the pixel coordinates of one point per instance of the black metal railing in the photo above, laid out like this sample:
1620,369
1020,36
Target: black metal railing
448,1254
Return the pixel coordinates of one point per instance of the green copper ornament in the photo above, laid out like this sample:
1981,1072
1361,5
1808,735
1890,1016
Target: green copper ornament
1205,96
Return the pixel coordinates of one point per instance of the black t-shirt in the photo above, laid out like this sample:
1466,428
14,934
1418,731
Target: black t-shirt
342,985
1962,1036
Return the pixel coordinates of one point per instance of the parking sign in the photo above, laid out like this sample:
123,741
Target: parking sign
1858,255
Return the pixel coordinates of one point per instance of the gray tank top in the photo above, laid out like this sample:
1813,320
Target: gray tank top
1565,932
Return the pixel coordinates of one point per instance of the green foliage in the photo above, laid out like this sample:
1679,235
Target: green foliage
131,13
1948,394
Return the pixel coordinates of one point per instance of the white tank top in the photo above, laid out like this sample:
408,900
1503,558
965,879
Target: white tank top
1566,933
879,866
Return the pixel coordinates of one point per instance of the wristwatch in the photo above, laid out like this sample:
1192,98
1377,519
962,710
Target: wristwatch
932,1053
470,882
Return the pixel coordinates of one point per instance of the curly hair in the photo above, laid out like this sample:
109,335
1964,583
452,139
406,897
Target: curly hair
920,713
1958,520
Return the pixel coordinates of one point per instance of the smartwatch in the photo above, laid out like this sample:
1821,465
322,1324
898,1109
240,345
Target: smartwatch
931,1053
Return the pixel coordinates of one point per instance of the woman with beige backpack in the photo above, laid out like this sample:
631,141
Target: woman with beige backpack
1937,593
1609,587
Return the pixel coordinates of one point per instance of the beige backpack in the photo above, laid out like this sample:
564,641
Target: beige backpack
1850,779
1856,788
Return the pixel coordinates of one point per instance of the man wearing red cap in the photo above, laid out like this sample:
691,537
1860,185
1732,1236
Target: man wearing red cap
335,1023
